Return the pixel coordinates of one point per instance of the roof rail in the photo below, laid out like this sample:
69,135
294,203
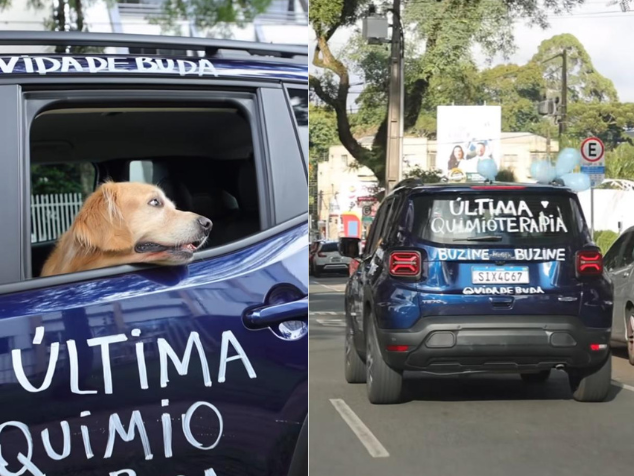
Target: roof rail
409,182
124,40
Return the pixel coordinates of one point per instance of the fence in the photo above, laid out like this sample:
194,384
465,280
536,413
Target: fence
52,215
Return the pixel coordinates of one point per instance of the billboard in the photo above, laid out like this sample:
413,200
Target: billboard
465,135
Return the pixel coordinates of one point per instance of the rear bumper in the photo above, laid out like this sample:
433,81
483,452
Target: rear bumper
495,343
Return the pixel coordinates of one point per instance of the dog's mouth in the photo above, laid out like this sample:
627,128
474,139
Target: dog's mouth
150,247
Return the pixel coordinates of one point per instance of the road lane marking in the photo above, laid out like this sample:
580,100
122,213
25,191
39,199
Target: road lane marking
367,438
622,385
326,313
331,322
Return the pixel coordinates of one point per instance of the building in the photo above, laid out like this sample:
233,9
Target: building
345,186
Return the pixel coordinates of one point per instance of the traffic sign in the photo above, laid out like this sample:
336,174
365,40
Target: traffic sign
366,211
593,160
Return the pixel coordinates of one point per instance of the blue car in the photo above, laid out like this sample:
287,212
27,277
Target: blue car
139,370
464,278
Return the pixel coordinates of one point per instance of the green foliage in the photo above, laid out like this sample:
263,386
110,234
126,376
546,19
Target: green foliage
209,13
505,175
62,178
427,176
604,239
516,89
585,83
604,120
322,132
328,15
619,163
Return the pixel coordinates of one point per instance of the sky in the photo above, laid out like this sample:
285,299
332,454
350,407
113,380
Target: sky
603,29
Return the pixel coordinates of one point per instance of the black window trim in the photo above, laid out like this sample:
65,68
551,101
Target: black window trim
63,279
34,102
304,87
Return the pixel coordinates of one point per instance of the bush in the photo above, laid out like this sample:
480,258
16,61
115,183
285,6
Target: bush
604,239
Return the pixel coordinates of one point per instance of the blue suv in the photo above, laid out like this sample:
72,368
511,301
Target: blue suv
461,278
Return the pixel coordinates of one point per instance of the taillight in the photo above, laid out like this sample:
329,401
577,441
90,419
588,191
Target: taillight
397,348
405,263
589,263
321,255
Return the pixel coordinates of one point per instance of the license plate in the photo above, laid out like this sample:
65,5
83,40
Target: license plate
499,275
335,260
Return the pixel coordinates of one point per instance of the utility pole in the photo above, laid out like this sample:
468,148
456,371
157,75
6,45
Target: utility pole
564,95
394,155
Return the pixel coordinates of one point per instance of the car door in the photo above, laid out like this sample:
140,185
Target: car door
367,265
619,267
198,370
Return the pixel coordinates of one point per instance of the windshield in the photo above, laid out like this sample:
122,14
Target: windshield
501,219
329,247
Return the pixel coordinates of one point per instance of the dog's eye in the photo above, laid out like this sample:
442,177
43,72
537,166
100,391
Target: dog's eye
154,202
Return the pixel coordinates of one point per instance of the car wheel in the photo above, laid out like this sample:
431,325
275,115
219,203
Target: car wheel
355,368
538,377
384,384
593,387
629,325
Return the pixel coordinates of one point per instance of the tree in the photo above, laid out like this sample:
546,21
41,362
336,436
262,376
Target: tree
516,89
619,163
607,121
585,83
322,132
448,29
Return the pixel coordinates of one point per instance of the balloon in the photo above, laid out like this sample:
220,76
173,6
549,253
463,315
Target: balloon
567,160
544,172
577,182
488,169
534,166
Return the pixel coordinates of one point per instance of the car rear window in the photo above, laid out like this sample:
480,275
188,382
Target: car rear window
329,247
495,218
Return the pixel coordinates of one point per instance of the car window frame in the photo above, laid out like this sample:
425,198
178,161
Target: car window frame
303,147
618,247
378,225
26,104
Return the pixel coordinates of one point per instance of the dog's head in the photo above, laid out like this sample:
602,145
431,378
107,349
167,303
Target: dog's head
136,219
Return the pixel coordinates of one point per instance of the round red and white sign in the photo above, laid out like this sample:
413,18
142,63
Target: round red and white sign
592,149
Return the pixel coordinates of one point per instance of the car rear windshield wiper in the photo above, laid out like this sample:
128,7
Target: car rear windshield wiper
481,238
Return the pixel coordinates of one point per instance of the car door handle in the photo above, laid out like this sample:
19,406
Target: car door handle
268,316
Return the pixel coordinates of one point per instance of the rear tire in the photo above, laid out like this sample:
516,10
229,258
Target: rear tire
539,377
355,368
629,326
384,384
594,387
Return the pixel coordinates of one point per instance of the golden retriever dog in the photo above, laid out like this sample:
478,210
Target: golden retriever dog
125,223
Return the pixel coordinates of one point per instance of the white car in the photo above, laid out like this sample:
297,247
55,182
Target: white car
619,263
327,258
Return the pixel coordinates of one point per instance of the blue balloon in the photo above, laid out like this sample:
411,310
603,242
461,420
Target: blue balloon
577,182
534,166
488,169
567,160
544,172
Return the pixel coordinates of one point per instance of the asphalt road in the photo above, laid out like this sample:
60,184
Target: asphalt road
476,425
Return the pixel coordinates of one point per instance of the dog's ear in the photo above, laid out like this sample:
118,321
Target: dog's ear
99,224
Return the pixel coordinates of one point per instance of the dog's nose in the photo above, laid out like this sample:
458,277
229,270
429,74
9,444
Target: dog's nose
205,224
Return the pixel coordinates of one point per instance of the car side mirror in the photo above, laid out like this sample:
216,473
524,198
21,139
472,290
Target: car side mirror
349,247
